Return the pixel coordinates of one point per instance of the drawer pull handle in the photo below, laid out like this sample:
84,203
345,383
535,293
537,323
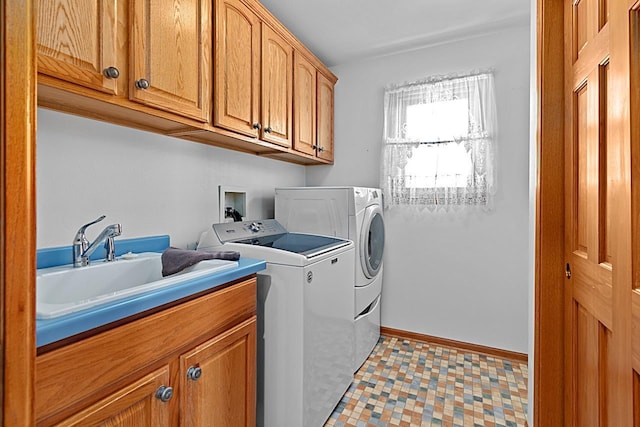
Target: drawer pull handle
111,72
194,373
142,84
164,393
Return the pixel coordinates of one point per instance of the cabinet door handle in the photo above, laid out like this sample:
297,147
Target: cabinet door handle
321,149
194,373
268,129
143,84
164,393
111,72
257,126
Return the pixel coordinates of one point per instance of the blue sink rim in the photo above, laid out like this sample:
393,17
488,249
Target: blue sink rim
51,330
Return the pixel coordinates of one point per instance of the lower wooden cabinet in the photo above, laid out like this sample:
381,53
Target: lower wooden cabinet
218,380
193,364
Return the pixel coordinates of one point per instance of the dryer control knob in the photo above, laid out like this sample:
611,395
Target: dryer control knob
254,226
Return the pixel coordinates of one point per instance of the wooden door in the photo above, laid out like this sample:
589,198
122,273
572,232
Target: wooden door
134,405
223,391
598,227
237,68
304,105
325,118
588,314
76,42
277,85
171,56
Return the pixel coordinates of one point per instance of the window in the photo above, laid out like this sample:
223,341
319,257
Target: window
438,143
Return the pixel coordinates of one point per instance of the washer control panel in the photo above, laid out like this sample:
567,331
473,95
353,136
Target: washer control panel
233,231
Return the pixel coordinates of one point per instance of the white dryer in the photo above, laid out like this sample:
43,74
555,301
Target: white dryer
353,213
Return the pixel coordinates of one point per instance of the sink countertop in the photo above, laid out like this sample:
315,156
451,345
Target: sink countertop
52,330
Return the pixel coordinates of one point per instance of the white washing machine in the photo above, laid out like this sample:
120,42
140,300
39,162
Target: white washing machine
305,318
353,213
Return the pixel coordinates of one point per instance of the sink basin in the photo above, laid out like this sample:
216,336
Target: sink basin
65,289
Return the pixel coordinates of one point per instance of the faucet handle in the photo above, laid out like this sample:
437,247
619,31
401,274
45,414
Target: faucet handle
81,230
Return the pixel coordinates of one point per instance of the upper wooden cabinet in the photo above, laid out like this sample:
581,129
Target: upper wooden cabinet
237,68
304,106
167,50
253,75
325,118
277,85
312,111
171,56
214,71
77,42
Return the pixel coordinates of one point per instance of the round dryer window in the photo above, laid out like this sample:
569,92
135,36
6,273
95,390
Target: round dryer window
372,241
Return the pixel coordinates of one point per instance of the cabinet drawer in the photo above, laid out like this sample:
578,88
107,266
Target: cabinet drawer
76,375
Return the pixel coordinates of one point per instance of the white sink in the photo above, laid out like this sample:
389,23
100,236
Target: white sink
65,289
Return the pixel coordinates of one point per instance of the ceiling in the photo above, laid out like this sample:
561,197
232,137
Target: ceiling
340,31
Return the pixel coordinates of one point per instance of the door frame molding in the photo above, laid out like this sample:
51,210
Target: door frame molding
548,358
17,204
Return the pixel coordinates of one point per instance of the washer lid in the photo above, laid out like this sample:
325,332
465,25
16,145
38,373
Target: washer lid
308,245
270,233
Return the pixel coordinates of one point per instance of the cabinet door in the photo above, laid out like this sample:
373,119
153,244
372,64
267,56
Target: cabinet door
277,70
237,68
304,105
224,392
76,41
170,55
134,405
325,118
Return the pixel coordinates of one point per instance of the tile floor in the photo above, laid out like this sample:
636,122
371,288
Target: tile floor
411,383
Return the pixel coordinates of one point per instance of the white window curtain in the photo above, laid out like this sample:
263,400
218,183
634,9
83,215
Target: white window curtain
438,148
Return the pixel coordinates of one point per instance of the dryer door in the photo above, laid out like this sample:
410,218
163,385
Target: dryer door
372,241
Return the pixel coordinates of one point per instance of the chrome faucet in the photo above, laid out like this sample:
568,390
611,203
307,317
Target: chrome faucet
82,249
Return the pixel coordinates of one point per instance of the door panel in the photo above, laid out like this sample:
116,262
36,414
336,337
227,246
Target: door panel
171,51
133,405
590,383
580,25
224,393
635,331
325,118
78,41
581,244
277,85
304,105
237,68
604,158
